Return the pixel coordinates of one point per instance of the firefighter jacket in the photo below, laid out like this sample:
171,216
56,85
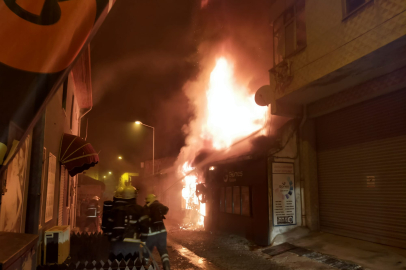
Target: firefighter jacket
107,218
126,219
156,212
136,221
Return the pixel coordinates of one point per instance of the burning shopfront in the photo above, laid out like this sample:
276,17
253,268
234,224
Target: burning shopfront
238,192
255,194
226,168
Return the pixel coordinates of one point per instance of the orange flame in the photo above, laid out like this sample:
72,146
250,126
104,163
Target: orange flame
231,112
189,192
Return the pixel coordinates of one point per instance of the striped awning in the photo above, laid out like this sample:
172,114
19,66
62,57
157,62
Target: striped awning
76,154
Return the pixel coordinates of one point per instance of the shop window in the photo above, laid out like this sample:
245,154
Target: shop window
245,201
64,93
350,6
236,200
229,200
49,210
222,200
289,32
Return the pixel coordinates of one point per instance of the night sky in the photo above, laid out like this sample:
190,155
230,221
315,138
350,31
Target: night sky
144,53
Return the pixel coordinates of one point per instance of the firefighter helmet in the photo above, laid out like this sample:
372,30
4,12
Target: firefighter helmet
130,192
150,199
119,192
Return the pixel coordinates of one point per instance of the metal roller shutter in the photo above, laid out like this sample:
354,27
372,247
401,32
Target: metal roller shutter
362,170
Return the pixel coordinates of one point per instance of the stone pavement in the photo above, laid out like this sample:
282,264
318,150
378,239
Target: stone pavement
201,249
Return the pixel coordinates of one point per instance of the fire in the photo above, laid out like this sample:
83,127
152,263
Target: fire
231,114
189,192
231,111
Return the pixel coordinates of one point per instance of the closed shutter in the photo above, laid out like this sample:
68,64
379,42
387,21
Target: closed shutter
362,170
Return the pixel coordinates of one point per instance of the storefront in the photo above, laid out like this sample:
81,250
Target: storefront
238,198
361,152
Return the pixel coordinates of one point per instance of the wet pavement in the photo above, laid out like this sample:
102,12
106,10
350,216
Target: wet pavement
200,249
214,250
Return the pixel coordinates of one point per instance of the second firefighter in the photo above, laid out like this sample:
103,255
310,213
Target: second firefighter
156,236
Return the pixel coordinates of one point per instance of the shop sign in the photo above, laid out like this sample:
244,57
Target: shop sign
284,168
232,176
283,194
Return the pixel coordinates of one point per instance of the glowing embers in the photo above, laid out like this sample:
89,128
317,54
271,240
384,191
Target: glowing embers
189,193
231,111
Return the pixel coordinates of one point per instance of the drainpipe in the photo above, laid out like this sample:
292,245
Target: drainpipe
80,119
87,125
86,112
302,182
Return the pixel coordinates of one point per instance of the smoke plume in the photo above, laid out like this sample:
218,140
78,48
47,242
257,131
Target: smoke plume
238,31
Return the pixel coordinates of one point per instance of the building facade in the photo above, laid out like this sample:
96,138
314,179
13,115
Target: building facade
340,69
38,191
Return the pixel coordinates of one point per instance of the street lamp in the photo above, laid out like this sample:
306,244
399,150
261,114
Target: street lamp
120,157
109,172
153,142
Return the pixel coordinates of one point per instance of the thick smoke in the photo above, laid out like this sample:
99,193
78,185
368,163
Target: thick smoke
141,57
144,53
239,31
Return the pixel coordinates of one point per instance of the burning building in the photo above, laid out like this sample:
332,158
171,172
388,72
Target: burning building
224,167
332,156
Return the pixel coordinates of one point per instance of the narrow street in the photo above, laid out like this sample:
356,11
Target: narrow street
219,134
212,251
200,249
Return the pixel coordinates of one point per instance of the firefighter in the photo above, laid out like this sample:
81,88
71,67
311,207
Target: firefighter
93,213
108,218
156,236
128,221
136,218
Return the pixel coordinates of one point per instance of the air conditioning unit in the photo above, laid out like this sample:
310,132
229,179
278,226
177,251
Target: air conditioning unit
56,244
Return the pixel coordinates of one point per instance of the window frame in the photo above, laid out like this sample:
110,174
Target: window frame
222,199
49,204
249,201
229,205
236,201
286,22
71,112
64,94
344,8
223,203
